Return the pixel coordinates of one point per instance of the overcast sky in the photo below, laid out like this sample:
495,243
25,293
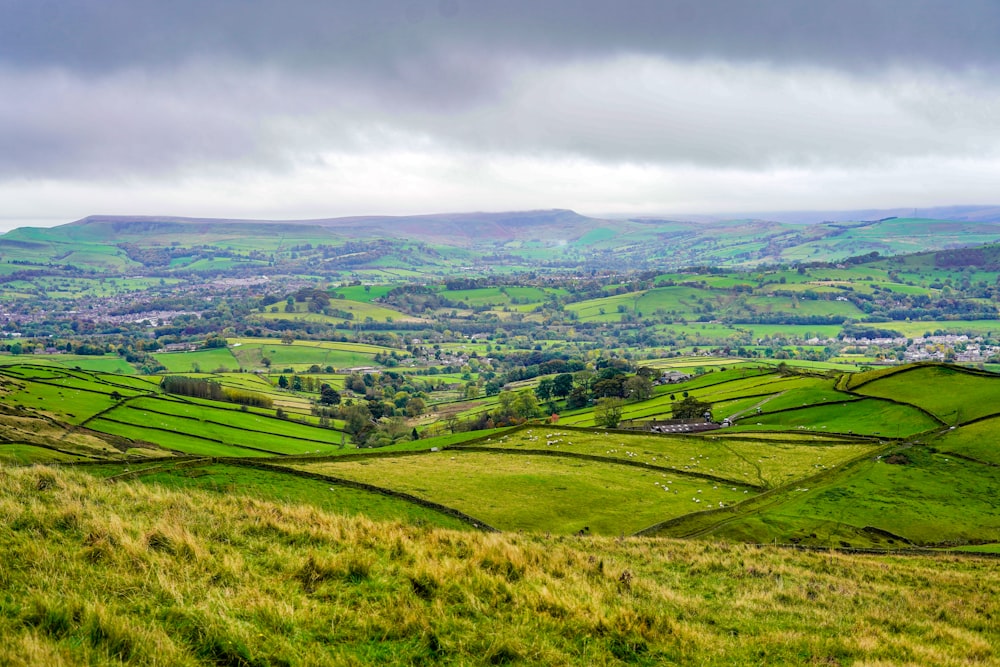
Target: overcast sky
290,109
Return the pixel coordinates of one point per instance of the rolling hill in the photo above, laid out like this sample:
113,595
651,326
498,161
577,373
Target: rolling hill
446,243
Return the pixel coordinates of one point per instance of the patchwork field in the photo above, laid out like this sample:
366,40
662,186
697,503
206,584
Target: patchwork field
915,496
763,463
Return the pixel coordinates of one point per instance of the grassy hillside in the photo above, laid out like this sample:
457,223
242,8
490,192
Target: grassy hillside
139,574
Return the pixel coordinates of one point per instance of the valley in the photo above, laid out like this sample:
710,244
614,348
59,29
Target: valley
541,421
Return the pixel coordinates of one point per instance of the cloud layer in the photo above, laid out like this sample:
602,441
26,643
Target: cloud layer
265,109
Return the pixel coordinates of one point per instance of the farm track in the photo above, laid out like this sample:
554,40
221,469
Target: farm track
972,459
770,397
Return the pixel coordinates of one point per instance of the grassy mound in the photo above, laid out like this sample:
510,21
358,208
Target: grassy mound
99,573
953,395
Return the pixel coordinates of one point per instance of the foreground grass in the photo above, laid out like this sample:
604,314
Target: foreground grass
101,574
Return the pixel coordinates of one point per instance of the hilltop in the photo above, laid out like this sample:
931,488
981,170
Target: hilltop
104,572
473,228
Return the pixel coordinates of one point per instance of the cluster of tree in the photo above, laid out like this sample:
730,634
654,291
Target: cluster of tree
690,408
209,389
371,429
611,380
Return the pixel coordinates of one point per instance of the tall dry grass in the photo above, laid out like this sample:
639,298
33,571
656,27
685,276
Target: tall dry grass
97,573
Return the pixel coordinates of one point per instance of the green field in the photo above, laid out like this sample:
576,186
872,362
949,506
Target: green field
868,416
930,499
169,573
539,493
106,363
980,441
361,311
204,429
198,360
286,489
68,395
19,454
951,394
302,354
743,461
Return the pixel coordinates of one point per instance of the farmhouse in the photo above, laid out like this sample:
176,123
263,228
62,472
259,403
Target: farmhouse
673,377
669,425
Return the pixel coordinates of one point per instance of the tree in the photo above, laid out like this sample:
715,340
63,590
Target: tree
544,389
579,397
282,382
608,387
287,338
328,395
296,383
505,407
638,387
357,421
690,408
415,407
608,411
526,405
266,362
562,385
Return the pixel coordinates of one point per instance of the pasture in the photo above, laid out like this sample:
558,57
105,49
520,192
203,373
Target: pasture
926,498
109,363
539,493
953,395
868,416
197,361
764,463
67,395
285,489
302,354
205,429
979,440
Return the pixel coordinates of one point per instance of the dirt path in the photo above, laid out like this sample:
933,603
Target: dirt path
736,415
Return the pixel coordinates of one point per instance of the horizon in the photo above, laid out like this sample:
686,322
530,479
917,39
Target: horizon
788,216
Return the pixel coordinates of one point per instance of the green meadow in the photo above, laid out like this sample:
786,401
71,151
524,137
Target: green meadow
537,493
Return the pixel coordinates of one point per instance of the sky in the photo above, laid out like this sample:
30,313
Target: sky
294,109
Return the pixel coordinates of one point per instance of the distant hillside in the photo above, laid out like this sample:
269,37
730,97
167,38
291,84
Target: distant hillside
984,258
984,213
555,239
448,228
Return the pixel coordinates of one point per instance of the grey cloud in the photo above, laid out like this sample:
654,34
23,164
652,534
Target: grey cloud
380,37
115,88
